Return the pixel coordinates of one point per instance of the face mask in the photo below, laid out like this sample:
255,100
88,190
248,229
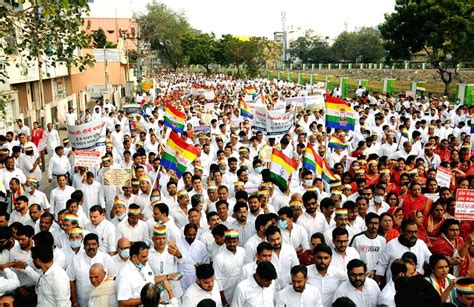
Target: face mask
282,224
308,182
378,199
153,198
29,152
258,169
355,167
75,244
140,266
125,253
121,216
27,189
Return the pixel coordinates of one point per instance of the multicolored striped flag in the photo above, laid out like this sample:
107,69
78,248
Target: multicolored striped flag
336,142
178,154
245,109
339,115
174,118
472,124
328,175
281,168
312,161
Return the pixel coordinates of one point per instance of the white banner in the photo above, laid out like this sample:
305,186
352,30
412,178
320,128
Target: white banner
87,136
42,144
443,177
278,124
87,158
259,120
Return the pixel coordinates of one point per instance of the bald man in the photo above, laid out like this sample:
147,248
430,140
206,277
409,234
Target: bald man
123,252
104,291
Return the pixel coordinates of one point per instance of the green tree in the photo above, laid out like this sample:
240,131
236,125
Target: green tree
44,30
229,50
164,30
200,49
364,44
310,49
257,52
100,39
440,29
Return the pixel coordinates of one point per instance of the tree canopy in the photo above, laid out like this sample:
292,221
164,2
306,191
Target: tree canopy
311,49
364,45
164,29
45,30
440,29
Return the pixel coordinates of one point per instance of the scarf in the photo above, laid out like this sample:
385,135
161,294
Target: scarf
102,292
441,284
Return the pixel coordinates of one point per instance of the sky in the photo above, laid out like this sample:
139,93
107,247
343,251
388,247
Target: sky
262,17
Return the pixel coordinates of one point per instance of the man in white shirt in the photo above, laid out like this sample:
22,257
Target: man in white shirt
60,195
323,275
52,139
133,228
53,287
9,172
103,228
309,218
227,265
361,290
34,195
104,291
164,258
79,267
406,242
300,293
292,233
387,296
70,118
58,164
21,214
93,193
258,290
204,287
342,252
341,219
283,256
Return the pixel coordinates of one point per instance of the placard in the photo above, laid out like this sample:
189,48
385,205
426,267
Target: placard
87,158
117,176
464,205
265,154
87,136
443,176
42,143
278,124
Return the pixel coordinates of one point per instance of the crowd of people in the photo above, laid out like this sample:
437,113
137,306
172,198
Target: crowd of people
384,232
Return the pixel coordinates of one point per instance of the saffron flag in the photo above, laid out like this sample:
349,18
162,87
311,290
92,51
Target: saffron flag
339,115
280,169
328,175
245,109
178,154
174,118
336,142
312,161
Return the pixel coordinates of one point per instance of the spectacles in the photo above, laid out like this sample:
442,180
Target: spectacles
453,229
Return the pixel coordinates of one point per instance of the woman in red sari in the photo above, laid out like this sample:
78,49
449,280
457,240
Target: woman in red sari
372,176
414,200
397,214
386,229
417,217
434,221
451,244
36,134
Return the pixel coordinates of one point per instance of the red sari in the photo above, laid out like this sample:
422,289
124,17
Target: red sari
419,204
433,230
444,247
372,181
36,135
391,234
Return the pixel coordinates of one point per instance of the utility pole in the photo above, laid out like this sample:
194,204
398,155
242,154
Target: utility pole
285,39
106,77
139,60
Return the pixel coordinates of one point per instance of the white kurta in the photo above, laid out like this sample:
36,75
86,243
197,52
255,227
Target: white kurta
249,294
196,253
284,263
137,233
227,266
131,280
78,270
365,298
309,298
328,283
195,294
53,288
164,263
106,233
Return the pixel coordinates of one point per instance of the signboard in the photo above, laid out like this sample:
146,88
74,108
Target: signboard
209,95
443,176
464,205
112,55
117,176
42,143
266,154
278,124
87,136
87,158
259,120
203,129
